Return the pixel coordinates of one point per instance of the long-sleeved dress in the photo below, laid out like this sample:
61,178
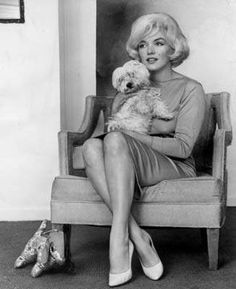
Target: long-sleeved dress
169,154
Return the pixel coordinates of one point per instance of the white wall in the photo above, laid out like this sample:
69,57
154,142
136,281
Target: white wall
77,58
29,112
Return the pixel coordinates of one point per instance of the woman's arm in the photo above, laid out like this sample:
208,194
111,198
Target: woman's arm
160,126
188,124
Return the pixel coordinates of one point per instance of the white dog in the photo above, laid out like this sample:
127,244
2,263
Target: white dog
143,101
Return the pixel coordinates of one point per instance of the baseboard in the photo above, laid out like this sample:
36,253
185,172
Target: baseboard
24,214
231,202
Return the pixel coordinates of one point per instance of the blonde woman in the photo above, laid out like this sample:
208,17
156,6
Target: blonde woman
121,161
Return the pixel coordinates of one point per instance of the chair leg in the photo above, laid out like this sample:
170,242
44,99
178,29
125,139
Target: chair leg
213,247
67,232
66,228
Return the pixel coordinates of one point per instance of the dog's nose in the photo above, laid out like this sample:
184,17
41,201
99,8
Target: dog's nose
129,85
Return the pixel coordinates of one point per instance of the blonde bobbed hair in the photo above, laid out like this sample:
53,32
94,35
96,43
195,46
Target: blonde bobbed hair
165,24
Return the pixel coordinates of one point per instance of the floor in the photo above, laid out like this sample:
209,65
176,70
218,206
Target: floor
183,256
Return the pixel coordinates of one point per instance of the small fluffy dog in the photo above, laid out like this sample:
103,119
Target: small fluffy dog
143,102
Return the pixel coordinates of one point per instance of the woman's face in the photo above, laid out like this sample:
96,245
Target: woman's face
154,52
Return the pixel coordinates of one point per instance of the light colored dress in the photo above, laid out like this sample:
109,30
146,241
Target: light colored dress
169,155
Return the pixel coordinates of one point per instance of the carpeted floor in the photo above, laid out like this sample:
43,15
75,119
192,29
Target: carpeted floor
184,259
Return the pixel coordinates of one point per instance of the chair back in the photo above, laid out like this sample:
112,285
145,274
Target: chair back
217,115
203,149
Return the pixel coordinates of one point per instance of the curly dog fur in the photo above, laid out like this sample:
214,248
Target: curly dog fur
143,101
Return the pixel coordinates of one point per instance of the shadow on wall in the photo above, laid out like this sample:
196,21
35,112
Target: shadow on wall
114,19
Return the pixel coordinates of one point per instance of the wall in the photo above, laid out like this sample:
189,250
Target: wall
77,30
29,112
210,28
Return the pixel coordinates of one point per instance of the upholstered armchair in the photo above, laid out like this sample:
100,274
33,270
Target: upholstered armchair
198,202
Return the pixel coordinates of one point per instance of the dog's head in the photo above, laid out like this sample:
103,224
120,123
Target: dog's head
132,76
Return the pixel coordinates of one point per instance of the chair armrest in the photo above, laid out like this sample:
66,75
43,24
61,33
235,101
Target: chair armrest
219,154
91,114
94,105
221,102
68,139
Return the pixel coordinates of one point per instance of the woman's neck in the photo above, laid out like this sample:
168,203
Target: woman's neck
162,75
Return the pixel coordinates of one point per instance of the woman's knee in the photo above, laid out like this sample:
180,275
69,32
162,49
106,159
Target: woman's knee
92,151
115,143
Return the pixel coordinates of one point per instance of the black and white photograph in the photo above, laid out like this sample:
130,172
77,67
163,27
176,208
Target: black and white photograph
117,152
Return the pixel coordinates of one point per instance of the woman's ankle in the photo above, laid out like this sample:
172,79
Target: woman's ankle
119,231
119,256
136,234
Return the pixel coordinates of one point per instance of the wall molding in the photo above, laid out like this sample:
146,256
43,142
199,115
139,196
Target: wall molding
24,214
231,202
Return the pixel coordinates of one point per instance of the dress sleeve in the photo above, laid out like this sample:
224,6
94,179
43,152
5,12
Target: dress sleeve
188,125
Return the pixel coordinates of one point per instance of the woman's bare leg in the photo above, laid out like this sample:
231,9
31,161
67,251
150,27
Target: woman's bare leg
93,152
120,180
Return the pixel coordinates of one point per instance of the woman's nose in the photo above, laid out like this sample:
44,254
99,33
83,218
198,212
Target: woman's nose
150,49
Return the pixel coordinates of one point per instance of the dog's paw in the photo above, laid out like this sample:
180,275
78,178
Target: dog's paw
161,111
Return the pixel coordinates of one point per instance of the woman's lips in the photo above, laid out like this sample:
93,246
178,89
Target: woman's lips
151,60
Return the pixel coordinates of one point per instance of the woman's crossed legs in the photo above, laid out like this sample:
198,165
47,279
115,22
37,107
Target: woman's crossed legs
109,168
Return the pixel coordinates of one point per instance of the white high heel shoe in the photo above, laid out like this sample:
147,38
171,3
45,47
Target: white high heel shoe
121,278
156,271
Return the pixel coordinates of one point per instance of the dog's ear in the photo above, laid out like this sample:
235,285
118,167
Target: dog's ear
116,77
131,64
144,74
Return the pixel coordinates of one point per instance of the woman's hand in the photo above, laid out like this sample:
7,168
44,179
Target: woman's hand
160,126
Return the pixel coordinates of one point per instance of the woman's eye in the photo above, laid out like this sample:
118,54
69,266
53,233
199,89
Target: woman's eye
141,45
158,43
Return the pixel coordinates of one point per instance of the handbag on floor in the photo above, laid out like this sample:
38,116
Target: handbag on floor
46,248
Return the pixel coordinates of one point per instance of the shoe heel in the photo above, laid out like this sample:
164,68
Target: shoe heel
121,278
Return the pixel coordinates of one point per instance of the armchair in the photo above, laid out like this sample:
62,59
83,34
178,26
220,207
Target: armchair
198,202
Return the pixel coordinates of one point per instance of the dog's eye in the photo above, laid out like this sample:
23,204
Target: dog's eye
131,74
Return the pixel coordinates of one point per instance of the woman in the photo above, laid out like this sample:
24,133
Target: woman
122,159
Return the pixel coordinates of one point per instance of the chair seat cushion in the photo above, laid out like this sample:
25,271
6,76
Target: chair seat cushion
189,202
205,189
